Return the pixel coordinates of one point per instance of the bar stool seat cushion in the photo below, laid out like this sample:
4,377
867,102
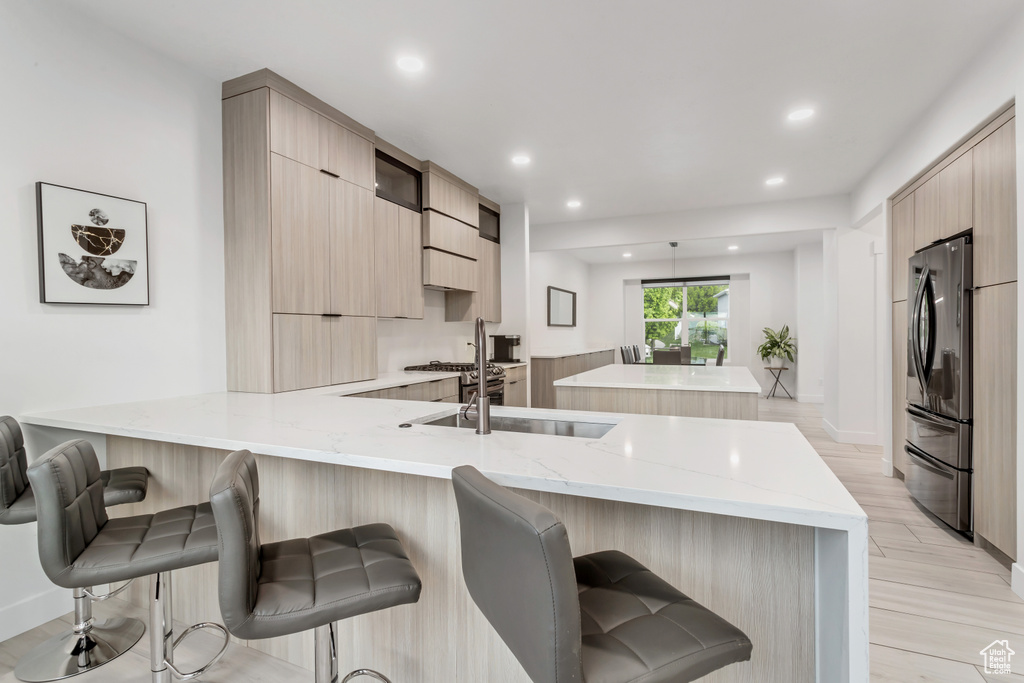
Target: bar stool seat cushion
638,627
308,582
124,485
130,547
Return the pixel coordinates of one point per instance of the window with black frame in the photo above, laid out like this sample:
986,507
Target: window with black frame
690,312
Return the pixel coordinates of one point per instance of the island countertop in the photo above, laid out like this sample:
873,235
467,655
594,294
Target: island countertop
734,378
757,470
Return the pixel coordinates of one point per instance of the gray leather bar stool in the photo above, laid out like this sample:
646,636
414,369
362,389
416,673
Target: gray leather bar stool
305,583
599,617
88,644
80,546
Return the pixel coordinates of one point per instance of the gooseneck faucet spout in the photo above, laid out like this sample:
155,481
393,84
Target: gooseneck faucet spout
483,401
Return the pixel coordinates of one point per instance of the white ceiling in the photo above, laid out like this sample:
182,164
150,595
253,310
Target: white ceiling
698,248
631,107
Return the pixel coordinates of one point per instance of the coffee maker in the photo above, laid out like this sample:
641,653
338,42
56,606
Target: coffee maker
505,348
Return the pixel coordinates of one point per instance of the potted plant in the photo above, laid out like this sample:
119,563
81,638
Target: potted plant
777,345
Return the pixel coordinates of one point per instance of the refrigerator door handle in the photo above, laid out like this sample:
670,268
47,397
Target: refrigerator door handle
918,415
924,461
915,333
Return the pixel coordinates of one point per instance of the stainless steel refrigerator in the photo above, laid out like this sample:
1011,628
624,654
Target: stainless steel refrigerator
939,415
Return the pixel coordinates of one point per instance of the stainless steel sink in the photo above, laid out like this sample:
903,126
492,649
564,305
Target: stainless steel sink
500,423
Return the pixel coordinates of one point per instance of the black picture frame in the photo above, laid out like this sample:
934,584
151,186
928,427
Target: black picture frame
114,270
552,290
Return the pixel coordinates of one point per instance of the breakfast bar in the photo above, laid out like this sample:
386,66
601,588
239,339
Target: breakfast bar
742,516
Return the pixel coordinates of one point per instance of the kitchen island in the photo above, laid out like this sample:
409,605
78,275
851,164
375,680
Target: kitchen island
742,516
682,390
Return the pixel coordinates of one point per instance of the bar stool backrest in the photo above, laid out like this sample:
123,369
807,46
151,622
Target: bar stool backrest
69,504
13,463
235,498
518,567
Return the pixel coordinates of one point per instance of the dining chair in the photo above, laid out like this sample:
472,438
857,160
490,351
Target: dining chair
637,358
721,354
667,356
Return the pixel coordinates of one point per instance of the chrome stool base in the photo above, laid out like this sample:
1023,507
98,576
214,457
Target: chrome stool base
88,646
71,653
326,659
161,635
366,672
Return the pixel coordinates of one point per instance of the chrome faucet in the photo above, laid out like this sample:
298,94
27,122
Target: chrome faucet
482,412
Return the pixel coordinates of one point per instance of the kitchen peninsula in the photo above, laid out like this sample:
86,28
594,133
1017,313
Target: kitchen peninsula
742,516
683,390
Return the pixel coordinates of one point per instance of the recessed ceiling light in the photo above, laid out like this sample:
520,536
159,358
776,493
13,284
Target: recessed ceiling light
573,203
520,160
778,180
410,64
733,247
626,255
800,114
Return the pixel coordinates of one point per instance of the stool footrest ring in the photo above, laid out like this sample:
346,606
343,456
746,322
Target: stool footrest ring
366,672
189,675
100,598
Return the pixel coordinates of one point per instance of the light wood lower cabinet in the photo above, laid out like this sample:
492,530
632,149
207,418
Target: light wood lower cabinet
353,348
902,246
995,416
302,356
546,371
436,391
944,205
515,387
398,252
899,385
995,207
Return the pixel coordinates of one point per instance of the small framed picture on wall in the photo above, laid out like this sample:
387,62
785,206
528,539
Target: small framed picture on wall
93,248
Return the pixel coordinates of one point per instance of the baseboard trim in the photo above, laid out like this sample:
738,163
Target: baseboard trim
1017,579
810,398
887,468
31,612
862,438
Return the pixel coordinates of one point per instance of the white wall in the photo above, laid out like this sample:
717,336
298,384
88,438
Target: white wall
762,294
401,343
555,269
89,109
810,307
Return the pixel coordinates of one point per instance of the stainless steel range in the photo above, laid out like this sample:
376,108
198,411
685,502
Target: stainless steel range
468,378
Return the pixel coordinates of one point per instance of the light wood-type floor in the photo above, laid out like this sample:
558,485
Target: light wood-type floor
936,600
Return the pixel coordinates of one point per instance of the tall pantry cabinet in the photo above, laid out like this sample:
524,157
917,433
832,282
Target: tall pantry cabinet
299,239
974,188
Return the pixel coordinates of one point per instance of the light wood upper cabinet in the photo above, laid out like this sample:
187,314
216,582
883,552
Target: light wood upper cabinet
353,348
995,416
398,251
485,302
352,275
346,154
302,356
902,246
294,130
450,198
995,207
944,205
300,241
899,384
447,234
448,271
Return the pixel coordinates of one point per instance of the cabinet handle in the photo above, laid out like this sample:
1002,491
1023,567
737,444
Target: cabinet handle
331,315
326,172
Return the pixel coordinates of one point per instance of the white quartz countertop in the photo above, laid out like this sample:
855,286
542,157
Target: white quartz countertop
758,470
516,364
385,380
736,378
565,353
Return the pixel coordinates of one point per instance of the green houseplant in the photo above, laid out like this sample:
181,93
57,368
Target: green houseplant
777,345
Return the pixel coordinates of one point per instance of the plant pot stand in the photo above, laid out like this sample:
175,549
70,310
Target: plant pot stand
777,374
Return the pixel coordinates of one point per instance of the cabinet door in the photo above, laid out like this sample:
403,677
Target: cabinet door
995,207
995,415
445,196
353,349
447,234
351,269
301,352
299,237
398,255
902,245
346,154
515,393
899,384
441,269
490,280
294,130
944,205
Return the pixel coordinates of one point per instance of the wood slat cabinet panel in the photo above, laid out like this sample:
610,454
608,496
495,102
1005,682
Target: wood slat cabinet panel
346,154
995,416
301,352
899,385
944,205
398,254
442,195
294,130
352,276
515,393
353,348
546,371
902,246
300,241
441,269
438,391
995,207
447,234
486,301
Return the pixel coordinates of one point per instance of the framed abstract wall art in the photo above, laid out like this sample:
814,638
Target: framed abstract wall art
93,248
